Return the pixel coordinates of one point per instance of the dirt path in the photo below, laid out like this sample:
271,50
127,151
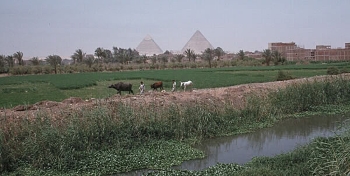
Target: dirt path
235,95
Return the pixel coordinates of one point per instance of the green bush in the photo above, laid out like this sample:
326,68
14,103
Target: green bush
345,70
282,75
330,155
37,70
47,69
332,71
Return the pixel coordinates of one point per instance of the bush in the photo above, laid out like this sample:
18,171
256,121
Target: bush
21,70
47,69
332,71
193,65
344,70
37,70
283,76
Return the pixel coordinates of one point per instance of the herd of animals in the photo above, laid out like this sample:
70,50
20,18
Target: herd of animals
121,86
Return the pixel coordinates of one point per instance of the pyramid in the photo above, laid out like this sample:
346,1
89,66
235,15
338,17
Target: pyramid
198,43
148,47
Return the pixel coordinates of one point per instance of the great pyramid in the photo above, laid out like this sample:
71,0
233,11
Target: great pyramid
148,47
198,43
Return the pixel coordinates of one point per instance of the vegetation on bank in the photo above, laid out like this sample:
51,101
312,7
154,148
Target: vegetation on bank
115,137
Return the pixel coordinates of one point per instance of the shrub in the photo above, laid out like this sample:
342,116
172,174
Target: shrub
344,70
332,71
37,69
47,69
281,76
15,71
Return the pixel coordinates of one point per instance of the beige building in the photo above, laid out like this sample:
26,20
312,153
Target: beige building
292,52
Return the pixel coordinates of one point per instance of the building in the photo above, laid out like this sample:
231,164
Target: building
292,52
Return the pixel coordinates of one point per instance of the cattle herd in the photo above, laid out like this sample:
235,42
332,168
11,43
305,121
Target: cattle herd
121,86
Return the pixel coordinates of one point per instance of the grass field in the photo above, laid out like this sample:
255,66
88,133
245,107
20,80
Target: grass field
114,138
16,90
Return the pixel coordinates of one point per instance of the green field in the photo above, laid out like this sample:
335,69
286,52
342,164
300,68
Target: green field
114,137
16,90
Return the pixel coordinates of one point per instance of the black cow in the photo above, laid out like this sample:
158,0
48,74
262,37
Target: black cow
157,85
120,86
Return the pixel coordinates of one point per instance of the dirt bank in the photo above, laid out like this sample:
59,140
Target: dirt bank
235,95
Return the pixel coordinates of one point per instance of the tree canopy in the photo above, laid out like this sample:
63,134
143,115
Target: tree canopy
54,61
208,55
190,54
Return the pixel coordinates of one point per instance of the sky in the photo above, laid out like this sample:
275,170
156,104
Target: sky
40,28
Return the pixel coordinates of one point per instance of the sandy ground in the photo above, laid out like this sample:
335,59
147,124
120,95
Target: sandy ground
235,95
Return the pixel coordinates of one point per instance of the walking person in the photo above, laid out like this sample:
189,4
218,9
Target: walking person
174,86
142,88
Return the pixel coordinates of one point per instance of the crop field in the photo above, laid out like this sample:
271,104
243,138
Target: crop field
114,138
16,90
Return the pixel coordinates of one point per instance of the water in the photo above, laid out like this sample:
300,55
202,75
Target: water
281,138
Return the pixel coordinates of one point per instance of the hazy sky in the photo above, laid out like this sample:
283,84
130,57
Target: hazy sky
39,28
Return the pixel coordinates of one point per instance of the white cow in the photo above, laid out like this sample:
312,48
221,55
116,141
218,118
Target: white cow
186,84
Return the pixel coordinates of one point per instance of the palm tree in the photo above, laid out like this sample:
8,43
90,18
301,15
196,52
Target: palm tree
89,60
99,52
190,54
219,52
208,55
143,59
54,61
130,55
154,59
268,56
2,64
126,56
78,56
10,61
35,61
241,54
108,56
276,57
163,58
179,57
19,56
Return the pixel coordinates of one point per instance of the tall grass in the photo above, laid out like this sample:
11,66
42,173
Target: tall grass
303,97
61,143
331,155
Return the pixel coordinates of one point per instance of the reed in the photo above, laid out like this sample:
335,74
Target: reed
303,97
331,155
62,143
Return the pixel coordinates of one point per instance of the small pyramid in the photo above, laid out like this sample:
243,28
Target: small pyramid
148,47
198,43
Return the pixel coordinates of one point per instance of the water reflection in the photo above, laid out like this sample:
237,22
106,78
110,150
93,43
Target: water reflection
281,138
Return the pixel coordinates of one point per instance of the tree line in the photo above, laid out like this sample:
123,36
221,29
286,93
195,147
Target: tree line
124,56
